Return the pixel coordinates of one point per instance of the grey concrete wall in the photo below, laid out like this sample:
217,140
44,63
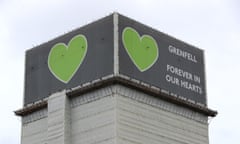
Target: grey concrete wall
141,120
141,123
114,115
34,132
94,122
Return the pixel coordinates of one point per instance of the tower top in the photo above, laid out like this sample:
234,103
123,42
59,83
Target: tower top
117,49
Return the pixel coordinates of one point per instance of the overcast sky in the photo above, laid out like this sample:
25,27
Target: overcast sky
212,25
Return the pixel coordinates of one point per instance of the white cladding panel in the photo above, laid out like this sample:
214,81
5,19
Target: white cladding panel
142,123
94,122
35,132
114,115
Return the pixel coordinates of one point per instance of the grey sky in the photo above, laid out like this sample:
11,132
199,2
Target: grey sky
212,25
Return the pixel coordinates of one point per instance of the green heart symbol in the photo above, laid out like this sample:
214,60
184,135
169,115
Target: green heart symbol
143,51
64,60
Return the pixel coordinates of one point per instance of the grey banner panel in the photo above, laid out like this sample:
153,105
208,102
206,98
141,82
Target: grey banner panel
144,54
179,67
98,61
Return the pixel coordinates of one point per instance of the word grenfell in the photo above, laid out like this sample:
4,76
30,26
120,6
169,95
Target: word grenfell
181,53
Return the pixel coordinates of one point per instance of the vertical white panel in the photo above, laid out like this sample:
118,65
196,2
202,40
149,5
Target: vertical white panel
58,131
116,43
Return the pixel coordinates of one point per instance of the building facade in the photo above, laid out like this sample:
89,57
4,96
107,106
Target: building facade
115,81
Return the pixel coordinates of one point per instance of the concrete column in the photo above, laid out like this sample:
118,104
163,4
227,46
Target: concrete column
58,119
